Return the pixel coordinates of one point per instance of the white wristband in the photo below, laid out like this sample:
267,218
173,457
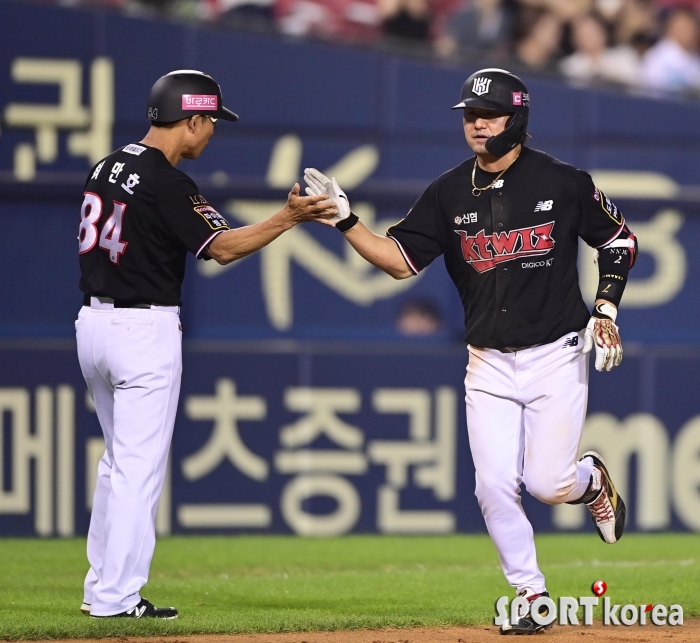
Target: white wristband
607,309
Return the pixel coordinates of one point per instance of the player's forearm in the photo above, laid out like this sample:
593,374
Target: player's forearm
614,263
381,252
240,242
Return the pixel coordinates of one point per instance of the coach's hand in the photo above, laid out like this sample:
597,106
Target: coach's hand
309,208
602,333
319,183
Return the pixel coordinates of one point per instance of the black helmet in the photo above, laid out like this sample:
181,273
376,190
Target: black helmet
184,93
499,90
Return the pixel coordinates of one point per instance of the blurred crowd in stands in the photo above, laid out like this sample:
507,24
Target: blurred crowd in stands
649,45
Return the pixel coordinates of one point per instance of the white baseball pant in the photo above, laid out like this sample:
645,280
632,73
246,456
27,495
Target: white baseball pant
131,360
525,415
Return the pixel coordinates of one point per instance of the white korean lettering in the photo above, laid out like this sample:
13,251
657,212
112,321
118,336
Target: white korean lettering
131,183
96,173
115,171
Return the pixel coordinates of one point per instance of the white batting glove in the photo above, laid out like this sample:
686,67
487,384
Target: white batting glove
319,183
602,333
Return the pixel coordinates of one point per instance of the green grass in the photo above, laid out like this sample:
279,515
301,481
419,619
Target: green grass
273,584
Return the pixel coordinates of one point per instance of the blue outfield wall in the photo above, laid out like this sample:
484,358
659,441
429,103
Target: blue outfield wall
75,85
333,439
285,424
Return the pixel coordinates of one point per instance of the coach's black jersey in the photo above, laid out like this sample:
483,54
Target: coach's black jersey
140,216
512,251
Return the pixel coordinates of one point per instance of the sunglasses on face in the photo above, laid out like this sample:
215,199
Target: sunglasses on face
211,118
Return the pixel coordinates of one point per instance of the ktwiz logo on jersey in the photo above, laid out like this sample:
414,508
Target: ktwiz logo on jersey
481,86
484,252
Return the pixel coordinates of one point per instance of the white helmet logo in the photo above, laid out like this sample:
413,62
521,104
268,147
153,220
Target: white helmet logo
481,86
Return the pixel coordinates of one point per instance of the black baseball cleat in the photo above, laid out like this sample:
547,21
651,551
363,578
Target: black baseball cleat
607,507
144,609
526,624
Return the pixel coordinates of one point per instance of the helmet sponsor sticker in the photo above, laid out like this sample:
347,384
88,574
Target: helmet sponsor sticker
521,99
200,102
212,217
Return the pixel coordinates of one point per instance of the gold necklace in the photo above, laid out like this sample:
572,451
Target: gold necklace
477,191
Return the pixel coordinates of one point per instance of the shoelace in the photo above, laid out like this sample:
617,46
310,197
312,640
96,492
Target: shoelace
602,508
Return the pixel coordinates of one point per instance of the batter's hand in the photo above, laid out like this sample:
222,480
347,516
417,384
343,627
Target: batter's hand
317,207
319,183
602,333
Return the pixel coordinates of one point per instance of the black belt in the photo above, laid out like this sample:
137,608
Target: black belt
507,349
118,303
515,349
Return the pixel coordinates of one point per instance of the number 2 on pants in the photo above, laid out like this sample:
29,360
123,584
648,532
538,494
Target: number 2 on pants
110,237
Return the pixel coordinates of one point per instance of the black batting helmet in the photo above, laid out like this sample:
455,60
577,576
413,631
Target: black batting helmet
499,90
184,93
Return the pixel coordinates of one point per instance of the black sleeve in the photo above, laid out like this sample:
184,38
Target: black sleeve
602,226
600,221
187,214
418,234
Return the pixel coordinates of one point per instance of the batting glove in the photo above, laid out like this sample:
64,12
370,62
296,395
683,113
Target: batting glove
319,183
602,333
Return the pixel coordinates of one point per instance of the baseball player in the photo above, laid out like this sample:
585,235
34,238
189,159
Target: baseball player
139,218
507,222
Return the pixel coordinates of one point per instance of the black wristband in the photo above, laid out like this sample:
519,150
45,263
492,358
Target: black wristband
348,223
610,288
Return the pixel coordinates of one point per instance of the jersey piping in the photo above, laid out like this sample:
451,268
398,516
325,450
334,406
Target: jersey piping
404,253
207,242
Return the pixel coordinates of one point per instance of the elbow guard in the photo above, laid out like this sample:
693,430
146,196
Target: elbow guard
614,262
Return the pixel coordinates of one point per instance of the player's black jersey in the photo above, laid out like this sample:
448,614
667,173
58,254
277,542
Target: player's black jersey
140,216
512,251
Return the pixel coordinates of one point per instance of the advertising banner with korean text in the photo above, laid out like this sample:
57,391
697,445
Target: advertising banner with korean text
335,439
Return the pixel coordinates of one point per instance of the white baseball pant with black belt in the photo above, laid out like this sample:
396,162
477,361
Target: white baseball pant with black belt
131,359
525,415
